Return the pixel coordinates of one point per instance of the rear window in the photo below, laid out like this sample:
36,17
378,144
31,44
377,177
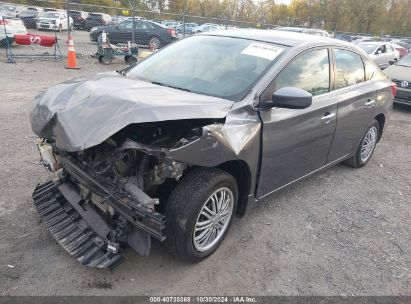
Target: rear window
350,68
74,13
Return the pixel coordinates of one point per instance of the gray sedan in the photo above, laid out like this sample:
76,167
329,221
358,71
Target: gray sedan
177,145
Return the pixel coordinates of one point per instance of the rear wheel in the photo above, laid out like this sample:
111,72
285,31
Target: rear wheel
199,213
154,43
130,59
366,147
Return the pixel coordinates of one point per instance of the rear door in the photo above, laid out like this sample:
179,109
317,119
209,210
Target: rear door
356,99
296,142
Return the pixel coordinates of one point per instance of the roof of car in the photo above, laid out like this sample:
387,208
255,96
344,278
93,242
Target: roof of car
277,37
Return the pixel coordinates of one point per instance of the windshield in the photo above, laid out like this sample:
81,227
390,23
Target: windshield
369,48
51,15
405,61
218,66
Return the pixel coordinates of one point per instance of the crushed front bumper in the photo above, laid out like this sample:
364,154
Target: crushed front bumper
81,230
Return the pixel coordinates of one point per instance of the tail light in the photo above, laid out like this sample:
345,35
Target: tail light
172,32
393,88
4,22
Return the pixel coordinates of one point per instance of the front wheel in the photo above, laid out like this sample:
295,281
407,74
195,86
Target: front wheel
199,213
366,147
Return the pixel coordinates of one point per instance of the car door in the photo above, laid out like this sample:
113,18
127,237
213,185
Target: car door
379,56
296,142
356,102
123,32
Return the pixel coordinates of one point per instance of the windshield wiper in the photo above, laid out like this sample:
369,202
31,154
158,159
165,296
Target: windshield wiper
407,66
170,86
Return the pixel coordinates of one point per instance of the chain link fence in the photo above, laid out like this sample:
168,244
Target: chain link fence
123,24
85,23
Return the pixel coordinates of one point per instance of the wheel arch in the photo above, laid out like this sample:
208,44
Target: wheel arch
242,174
381,122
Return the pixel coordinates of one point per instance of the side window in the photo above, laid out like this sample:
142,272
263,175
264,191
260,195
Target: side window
125,25
349,68
309,71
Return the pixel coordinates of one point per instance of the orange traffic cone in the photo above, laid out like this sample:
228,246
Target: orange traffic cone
71,55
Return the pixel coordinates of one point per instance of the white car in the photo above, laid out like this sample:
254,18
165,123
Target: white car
381,52
10,11
55,21
10,27
206,27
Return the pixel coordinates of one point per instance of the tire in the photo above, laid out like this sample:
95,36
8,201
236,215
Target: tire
358,160
60,29
130,59
183,209
106,59
154,43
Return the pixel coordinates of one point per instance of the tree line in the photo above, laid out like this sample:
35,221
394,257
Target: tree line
360,16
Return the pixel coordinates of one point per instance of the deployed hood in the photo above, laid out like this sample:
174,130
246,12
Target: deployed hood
399,72
84,112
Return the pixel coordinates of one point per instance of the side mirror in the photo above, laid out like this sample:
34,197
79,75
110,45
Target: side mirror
290,98
378,52
391,62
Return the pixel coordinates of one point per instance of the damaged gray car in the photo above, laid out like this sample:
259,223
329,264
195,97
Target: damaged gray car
177,145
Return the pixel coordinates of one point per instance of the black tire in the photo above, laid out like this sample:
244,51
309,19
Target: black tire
184,206
356,161
130,59
106,59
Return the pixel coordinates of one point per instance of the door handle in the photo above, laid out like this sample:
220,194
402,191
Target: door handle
370,103
327,117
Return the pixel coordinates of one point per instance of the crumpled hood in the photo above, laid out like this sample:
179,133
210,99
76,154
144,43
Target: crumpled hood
83,112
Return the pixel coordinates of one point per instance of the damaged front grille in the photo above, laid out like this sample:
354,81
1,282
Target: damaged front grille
70,225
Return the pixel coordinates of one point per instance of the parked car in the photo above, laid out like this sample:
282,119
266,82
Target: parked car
96,19
55,21
171,24
402,51
304,30
146,33
29,18
400,73
50,9
188,28
381,52
206,27
10,11
176,146
33,8
79,18
10,27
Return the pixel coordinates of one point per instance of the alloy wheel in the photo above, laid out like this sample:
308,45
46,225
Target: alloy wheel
368,144
213,219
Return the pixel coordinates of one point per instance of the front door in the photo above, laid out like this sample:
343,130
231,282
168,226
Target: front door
296,142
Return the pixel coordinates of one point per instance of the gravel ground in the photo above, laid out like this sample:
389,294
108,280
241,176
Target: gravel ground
341,232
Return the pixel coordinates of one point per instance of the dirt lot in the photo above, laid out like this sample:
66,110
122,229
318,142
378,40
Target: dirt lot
340,232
